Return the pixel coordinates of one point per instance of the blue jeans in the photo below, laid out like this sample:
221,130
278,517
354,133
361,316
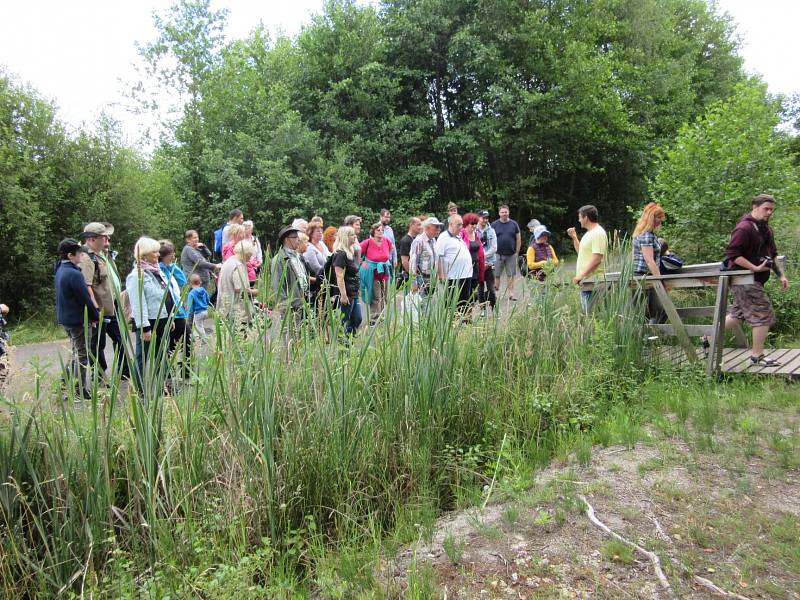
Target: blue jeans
351,316
586,301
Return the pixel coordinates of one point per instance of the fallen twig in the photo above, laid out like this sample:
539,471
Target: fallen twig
661,533
702,581
651,556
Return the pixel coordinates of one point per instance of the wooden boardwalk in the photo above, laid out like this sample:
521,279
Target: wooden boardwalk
737,360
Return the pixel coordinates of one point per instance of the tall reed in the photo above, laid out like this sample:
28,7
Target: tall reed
320,440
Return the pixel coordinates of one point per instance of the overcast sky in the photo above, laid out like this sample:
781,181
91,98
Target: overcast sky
78,52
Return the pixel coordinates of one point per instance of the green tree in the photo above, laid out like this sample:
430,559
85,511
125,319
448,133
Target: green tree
717,164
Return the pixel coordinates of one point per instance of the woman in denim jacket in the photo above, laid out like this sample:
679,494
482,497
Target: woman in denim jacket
152,305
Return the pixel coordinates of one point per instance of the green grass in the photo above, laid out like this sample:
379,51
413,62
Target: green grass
36,329
274,460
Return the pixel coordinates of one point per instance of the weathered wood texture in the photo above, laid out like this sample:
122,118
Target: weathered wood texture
737,360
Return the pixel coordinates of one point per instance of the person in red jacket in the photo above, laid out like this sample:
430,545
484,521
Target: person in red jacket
752,246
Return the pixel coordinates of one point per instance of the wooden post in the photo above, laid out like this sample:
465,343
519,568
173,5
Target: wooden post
674,318
717,341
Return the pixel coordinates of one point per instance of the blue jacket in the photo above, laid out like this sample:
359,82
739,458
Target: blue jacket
177,280
197,300
72,296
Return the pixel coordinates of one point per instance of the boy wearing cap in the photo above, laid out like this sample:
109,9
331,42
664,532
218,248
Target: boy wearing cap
73,305
98,272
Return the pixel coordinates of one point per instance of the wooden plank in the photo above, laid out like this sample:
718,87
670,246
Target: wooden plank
717,335
675,320
733,358
781,355
696,311
793,367
678,282
691,330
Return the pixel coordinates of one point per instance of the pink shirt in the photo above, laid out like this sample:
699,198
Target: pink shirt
252,264
372,251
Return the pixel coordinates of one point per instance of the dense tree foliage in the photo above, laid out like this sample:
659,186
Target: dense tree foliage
52,183
544,105
717,164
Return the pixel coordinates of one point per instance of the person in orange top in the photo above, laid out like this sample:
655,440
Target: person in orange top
329,236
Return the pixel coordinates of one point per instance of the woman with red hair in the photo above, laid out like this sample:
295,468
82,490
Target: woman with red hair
472,239
647,254
646,248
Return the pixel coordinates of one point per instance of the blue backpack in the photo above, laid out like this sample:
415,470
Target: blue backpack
218,239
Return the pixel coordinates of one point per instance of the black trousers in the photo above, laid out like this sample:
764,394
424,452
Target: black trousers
182,334
486,291
97,345
463,292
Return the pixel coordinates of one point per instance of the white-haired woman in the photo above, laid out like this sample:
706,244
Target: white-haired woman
345,266
233,288
300,224
151,304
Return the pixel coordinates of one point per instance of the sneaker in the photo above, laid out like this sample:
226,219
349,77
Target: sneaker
763,361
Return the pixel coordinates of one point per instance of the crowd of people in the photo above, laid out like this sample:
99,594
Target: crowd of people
166,299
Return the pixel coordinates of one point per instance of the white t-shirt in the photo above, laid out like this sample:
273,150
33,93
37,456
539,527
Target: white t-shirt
455,256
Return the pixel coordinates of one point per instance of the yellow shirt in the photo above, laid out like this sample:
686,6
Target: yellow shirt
534,264
594,241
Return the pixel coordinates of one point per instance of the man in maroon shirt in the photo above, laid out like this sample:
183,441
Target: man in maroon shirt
752,246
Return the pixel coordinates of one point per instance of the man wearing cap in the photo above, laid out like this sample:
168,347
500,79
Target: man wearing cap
99,274
73,302
488,235
422,256
289,279
509,242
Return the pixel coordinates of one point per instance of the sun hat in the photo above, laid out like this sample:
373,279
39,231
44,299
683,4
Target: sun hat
286,231
432,221
95,229
540,231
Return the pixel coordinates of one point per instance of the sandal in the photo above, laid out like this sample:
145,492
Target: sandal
763,361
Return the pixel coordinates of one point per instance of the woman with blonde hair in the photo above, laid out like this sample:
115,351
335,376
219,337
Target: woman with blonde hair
236,233
233,288
345,266
152,303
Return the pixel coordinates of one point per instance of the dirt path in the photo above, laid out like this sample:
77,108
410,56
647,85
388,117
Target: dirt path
717,509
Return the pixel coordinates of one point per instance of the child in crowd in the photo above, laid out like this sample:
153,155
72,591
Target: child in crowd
197,305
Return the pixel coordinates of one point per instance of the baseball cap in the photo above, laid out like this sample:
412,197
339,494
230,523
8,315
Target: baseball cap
483,213
68,246
432,221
